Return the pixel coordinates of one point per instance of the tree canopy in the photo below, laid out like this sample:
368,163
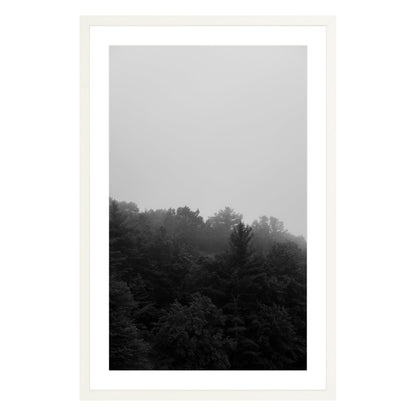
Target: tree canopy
189,294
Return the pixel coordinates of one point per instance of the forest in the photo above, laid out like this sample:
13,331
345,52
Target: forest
194,294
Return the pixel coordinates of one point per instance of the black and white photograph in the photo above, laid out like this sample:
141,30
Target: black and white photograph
208,208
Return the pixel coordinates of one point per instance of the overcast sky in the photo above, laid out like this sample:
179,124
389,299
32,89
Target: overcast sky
209,127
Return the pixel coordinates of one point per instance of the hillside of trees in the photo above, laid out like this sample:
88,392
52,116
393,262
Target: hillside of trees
189,294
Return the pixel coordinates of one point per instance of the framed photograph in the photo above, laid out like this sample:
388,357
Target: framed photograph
207,208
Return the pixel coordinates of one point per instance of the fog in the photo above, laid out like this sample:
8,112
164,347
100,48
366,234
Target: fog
208,127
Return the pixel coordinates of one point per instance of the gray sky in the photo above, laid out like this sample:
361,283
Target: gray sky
209,127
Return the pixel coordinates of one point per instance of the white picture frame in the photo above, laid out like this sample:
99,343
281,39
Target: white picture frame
326,391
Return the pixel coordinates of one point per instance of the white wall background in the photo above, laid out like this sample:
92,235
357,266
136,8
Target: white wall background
39,90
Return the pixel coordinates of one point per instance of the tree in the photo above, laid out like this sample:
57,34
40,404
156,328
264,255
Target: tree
192,294
240,238
281,348
287,258
266,231
189,226
121,242
128,350
220,226
191,337
225,219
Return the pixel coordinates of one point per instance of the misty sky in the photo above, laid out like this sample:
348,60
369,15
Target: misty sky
209,127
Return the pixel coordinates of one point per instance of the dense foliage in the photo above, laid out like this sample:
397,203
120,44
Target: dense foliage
189,294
